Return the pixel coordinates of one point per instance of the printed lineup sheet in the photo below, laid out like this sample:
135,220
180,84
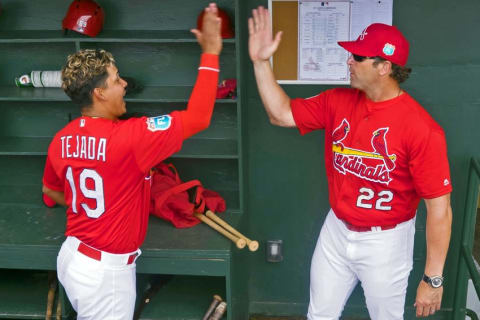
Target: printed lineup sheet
322,24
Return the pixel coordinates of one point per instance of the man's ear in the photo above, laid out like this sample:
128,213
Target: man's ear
385,68
98,94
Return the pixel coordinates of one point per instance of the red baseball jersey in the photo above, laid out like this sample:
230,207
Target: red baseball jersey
381,157
103,167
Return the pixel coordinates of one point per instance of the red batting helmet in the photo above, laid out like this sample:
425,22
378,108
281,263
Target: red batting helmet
227,31
84,16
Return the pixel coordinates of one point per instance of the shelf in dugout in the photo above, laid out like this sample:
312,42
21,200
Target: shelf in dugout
114,36
186,297
23,294
202,148
147,94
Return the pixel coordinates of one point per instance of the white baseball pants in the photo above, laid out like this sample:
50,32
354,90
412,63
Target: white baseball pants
104,289
380,260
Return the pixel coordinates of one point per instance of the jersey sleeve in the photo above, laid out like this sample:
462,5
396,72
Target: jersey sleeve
428,163
50,178
200,105
311,113
156,138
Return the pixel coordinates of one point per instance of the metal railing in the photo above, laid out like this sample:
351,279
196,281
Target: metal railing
466,264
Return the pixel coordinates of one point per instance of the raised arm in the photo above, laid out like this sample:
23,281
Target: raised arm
200,105
439,223
262,46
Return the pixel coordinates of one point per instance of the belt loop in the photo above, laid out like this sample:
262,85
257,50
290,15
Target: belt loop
133,258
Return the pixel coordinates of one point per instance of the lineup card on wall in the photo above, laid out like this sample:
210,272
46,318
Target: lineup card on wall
321,25
309,52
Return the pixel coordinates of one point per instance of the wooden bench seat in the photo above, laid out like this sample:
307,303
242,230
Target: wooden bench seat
31,235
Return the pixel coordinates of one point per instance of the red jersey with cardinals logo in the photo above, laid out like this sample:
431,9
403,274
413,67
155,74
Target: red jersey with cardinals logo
381,157
103,167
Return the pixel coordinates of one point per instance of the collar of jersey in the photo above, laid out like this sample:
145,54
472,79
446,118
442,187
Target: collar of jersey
374,106
98,118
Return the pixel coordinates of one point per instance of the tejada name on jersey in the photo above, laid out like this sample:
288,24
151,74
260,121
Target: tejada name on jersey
84,147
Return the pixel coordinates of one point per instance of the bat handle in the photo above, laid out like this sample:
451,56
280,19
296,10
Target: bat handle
52,287
59,310
219,311
252,244
239,242
216,300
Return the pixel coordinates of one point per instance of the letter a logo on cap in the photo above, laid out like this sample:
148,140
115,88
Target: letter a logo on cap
363,34
389,49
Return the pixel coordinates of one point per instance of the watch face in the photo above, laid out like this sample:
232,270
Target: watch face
436,282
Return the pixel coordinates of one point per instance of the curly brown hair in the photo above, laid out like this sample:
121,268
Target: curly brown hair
85,70
399,73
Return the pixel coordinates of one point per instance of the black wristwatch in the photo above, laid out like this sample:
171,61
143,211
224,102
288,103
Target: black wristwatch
433,281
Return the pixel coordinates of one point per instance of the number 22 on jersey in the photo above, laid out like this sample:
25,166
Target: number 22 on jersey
366,199
96,193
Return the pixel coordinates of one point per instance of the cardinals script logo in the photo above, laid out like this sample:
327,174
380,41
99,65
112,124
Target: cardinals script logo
374,165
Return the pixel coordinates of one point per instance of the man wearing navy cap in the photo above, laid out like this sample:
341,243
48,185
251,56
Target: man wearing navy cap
383,154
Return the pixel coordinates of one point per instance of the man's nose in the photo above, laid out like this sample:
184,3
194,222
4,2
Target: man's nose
350,59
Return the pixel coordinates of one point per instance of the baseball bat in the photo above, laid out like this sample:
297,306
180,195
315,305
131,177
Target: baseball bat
239,242
52,286
252,244
219,311
59,310
216,300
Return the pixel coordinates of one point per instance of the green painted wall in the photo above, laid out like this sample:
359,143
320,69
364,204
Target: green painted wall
286,185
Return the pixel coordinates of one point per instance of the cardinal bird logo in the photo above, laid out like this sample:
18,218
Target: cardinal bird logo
340,133
372,165
379,144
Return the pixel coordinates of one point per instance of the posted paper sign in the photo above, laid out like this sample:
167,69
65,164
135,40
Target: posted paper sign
322,24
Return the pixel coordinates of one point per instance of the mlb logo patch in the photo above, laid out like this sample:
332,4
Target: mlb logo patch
388,49
159,123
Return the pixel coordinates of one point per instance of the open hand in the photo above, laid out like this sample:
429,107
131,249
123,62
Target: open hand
261,44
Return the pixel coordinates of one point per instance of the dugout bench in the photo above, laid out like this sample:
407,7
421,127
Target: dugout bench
199,257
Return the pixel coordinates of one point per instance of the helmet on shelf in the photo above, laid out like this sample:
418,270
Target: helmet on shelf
85,17
226,31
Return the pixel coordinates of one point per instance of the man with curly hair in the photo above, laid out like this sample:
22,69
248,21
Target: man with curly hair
99,167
